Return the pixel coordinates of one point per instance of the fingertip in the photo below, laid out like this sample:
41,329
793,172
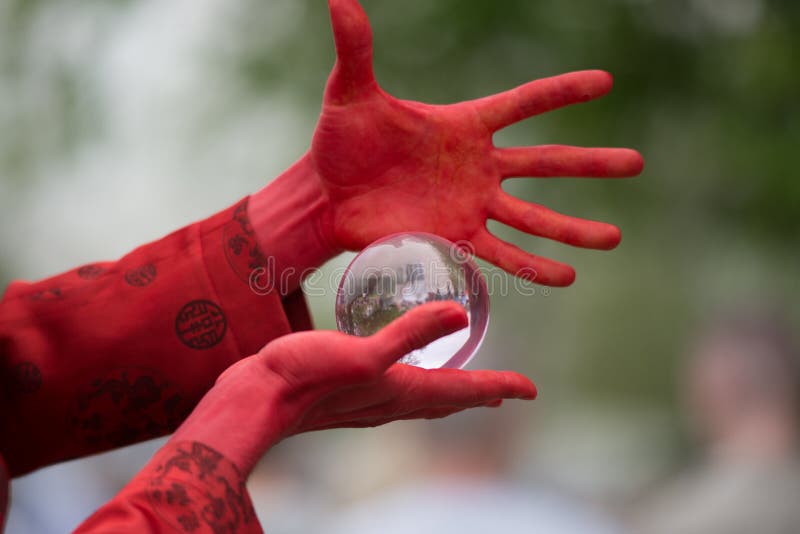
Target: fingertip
525,387
351,26
604,80
452,316
564,278
614,238
550,273
593,84
570,278
533,393
624,163
637,163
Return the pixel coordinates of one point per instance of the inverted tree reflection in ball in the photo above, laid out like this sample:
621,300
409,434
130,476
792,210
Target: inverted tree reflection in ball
403,271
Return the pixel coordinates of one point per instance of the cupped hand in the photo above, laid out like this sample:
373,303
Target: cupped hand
319,380
343,381
390,165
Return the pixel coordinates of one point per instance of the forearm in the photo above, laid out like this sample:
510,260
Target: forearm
247,412
292,221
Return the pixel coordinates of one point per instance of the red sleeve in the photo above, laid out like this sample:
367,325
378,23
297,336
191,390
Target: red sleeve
115,353
186,487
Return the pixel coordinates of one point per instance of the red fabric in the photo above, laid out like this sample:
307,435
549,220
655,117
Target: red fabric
186,487
295,226
110,354
115,353
296,309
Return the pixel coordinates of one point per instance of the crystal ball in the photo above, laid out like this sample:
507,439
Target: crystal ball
402,271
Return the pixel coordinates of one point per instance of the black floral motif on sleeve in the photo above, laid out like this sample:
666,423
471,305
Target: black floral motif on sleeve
91,272
141,276
241,248
51,294
196,488
26,378
127,405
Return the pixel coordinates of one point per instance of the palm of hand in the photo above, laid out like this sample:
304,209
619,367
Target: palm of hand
390,165
356,382
404,167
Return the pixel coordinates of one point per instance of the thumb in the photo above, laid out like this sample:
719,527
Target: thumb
353,73
416,329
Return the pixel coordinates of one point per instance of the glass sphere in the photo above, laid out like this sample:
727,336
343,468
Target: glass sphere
402,271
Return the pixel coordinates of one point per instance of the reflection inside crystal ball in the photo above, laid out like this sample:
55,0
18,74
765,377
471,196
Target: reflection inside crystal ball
403,271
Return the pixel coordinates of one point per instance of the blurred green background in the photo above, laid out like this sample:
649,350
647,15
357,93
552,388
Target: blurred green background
121,121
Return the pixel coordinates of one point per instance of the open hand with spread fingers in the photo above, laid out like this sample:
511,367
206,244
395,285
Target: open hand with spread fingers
388,165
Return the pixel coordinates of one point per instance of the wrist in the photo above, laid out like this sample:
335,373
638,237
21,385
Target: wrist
293,225
242,416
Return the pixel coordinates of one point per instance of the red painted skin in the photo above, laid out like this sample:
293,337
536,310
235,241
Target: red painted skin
407,166
356,384
285,389
119,352
379,165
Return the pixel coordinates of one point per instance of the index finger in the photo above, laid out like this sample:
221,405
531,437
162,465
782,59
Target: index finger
540,96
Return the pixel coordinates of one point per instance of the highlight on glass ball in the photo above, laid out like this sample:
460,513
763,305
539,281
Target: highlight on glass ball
403,271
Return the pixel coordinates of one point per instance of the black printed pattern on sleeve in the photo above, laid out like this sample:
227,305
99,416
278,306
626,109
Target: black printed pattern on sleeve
127,405
196,489
241,248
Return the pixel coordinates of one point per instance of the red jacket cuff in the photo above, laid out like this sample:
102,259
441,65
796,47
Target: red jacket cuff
115,353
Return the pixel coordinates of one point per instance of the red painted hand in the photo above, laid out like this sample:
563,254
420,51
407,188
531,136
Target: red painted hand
390,165
318,380
357,384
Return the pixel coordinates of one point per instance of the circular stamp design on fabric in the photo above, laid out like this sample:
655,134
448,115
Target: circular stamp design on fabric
141,276
239,242
126,406
91,272
26,377
201,325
